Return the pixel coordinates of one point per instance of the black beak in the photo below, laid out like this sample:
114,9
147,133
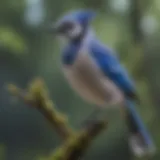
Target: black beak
60,28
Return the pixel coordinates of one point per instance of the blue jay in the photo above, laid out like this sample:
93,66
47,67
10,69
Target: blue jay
94,71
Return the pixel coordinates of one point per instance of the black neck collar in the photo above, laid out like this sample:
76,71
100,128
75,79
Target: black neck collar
80,38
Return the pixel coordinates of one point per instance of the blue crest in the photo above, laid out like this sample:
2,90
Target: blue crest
81,16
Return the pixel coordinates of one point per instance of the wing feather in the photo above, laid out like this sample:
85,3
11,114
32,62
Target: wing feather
111,67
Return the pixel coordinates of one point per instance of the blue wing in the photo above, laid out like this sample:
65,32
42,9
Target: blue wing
111,67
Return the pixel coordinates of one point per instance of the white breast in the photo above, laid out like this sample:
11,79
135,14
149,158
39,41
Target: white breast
86,79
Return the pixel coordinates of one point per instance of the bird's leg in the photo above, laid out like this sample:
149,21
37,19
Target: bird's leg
92,117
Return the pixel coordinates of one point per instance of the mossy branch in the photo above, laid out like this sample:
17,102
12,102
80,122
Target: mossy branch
75,147
76,142
36,96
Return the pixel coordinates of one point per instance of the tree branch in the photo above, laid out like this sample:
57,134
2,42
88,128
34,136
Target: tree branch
76,142
76,146
37,97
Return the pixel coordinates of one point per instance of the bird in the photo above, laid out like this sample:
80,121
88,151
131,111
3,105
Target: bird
95,72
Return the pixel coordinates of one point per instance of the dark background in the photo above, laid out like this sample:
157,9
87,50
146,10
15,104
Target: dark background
131,27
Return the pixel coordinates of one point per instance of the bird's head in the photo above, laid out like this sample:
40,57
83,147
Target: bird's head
73,25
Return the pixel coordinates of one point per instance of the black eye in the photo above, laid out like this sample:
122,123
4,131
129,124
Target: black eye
66,26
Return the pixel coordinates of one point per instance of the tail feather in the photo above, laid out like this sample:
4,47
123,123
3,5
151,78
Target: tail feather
140,141
139,147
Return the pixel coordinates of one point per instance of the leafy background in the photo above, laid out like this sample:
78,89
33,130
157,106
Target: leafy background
131,27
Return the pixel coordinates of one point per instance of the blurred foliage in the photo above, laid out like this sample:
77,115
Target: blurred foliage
12,41
2,152
25,133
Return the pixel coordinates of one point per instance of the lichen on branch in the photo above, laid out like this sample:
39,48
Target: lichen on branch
76,142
